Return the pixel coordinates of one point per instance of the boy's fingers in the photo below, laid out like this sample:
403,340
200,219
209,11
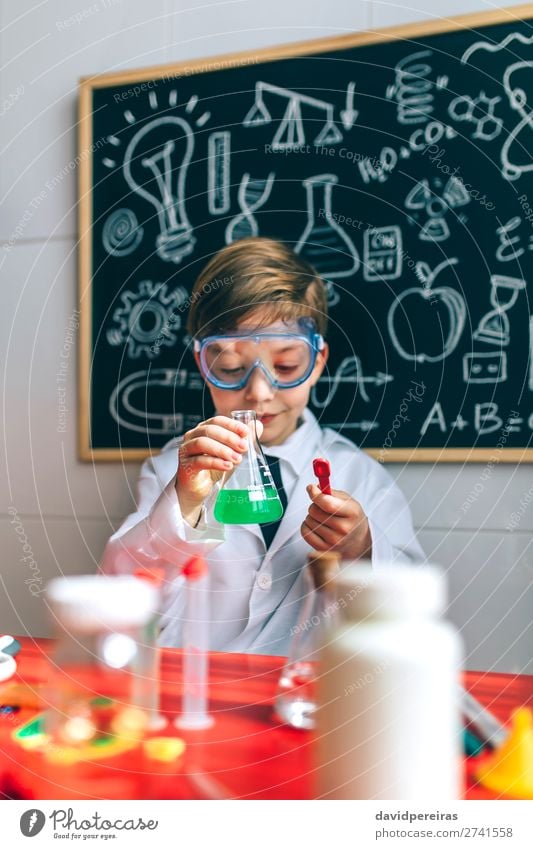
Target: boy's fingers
217,434
326,534
342,525
205,447
202,462
227,423
338,503
314,540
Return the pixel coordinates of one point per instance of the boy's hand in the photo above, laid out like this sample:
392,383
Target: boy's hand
338,523
206,452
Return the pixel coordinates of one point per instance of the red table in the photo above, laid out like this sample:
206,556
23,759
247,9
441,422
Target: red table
247,753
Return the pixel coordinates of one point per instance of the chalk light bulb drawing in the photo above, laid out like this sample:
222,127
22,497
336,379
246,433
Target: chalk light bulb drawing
156,153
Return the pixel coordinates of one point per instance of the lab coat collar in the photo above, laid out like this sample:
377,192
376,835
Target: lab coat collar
298,448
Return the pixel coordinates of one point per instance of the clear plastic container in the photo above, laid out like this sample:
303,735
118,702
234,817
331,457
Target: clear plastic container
102,674
296,695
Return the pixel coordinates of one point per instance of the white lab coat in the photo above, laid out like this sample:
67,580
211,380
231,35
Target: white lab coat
255,595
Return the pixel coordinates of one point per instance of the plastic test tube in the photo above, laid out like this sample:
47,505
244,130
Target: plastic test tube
195,638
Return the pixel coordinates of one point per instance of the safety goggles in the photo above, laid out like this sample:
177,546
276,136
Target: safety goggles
285,358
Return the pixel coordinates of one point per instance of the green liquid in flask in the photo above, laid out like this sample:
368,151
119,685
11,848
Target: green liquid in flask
248,506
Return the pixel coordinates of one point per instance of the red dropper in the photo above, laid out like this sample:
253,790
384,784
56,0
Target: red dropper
322,470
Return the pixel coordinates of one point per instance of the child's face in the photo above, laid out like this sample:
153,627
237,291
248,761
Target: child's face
277,409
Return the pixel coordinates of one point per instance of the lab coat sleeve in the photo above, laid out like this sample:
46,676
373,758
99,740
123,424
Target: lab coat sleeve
156,534
389,517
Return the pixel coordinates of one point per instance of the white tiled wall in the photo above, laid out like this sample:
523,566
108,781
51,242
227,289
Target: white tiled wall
66,509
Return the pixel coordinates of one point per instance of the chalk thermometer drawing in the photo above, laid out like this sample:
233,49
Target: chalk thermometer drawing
218,172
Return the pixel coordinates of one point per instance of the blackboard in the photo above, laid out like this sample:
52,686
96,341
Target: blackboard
398,162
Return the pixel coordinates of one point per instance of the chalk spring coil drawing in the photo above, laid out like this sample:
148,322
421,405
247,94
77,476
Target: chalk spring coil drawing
121,233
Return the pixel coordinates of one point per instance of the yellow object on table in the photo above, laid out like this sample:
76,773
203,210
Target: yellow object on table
164,749
509,770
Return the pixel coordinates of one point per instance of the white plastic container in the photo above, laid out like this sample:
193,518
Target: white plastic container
388,724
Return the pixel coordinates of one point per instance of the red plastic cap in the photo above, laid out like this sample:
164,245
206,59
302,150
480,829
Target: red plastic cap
155,575
321,468
195,568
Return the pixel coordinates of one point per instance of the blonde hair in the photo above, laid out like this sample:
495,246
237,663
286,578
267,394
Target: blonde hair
253,273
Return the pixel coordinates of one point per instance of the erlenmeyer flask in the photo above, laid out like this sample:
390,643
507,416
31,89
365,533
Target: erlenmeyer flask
323,242
248,495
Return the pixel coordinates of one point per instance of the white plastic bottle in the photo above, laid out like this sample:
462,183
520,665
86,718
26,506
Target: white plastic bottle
388,723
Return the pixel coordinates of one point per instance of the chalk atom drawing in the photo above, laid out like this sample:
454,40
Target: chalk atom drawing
516,150
121,233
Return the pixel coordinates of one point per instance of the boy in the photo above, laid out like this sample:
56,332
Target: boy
276,305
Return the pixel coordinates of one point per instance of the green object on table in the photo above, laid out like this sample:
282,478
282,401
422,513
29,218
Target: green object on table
255,505
472,744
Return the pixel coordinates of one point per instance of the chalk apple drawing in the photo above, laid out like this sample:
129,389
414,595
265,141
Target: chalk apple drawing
452,301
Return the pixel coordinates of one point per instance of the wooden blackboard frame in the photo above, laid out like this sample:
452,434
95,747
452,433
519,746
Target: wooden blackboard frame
208,64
